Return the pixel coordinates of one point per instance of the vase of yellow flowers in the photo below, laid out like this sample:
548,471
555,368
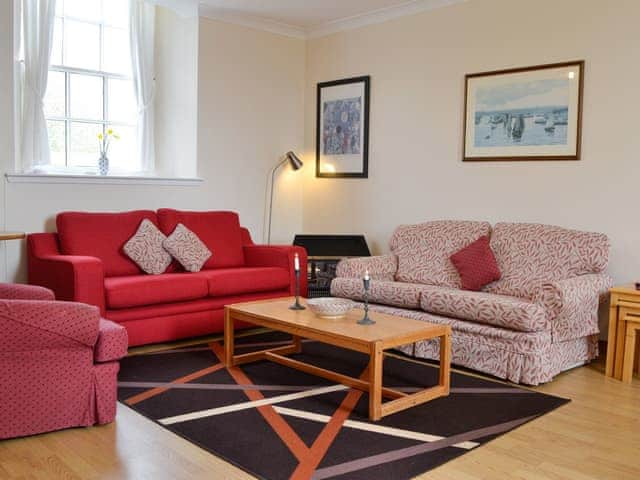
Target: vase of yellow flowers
104,141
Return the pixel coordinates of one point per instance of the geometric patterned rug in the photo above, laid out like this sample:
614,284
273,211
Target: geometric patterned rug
278,423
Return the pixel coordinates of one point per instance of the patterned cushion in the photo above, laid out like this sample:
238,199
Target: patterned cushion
423,250
187,248
488,308
381,267
476,264
145,248
398,294
530,254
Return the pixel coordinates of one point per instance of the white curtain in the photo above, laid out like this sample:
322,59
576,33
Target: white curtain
38,18
141,40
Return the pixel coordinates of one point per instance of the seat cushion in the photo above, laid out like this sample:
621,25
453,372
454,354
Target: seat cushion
235,281
102,235
140,290
487,308
530,254
112,342
219,231
398,294
423,250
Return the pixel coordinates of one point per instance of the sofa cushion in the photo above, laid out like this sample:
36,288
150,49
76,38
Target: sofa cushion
187,248
423,250
145,248
219,231
102,235
140,290
476,264
235,281
398,294
488,308
530,254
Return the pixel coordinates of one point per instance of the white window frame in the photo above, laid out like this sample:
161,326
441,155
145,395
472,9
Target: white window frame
105,77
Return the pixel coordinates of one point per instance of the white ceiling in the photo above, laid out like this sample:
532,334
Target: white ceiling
312,18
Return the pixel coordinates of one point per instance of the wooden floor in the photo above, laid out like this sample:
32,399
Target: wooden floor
595,437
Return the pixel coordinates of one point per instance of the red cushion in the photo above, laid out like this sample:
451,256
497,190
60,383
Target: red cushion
220,232
102,235
476,264
236,281
140,290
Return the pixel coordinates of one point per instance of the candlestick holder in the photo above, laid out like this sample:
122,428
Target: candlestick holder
366,320
297,305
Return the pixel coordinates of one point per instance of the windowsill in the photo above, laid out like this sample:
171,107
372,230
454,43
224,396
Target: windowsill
99,179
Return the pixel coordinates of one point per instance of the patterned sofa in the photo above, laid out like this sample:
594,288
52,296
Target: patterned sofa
539,319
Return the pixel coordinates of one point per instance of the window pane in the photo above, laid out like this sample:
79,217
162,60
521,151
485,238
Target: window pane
83,144
81,45
56,131
116,13
84,9
122,153
56,48
122,103
54,98
59,8
85,92
116,51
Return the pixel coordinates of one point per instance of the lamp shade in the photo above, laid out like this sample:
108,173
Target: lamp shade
295,162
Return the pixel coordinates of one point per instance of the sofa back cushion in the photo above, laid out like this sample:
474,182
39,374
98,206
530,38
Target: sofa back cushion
531,254
102,235
219,231
423,250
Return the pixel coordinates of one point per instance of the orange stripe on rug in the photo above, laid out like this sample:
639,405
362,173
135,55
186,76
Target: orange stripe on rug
158,390
320,447
290,438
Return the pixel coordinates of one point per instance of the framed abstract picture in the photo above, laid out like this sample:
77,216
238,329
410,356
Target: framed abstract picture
532,113
342,128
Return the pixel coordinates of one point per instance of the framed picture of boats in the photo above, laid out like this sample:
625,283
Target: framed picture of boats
532,113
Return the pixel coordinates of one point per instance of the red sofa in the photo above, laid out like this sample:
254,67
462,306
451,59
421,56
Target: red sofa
84,262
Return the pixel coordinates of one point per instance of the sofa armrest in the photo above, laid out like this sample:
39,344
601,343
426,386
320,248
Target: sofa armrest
112,342
279,256
17,291
572,304
72,278
381,267
35,325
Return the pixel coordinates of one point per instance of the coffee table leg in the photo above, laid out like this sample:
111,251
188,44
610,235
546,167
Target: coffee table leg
375,381
297,343
445,362
228,338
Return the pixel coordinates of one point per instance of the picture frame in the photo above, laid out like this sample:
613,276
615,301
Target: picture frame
524,114
342,128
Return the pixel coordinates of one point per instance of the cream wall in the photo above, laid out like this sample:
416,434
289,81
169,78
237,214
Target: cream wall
417,66
250,112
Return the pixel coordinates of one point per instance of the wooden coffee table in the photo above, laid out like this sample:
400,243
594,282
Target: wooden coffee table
389,331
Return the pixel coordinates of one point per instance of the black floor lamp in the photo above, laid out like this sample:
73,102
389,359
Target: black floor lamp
296,164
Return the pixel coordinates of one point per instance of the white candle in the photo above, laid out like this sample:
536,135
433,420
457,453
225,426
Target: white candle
366,274
296,262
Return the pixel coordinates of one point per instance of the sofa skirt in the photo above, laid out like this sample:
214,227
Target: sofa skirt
529,358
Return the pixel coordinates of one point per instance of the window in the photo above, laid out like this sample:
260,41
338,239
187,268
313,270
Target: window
89,87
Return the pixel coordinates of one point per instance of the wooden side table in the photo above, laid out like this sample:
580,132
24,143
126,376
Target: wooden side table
632,328
12,236
624,302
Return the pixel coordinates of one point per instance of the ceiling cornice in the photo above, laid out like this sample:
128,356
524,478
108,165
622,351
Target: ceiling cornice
349,23
258,23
